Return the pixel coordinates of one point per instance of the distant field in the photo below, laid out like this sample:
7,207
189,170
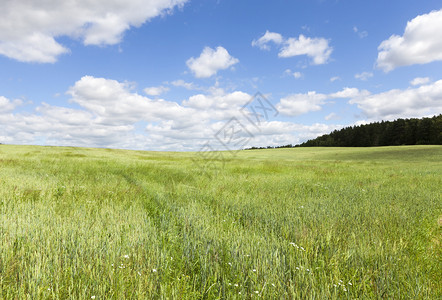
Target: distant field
319,223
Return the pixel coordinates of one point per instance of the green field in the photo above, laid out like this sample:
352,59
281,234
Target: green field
319,223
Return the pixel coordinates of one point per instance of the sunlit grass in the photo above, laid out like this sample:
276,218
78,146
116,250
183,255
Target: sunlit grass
284,223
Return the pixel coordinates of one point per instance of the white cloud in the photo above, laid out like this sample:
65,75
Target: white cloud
316,48
29,29
110,112
35,47
109,115
334,78
155,90
297,75
7,105
210,62
268,37
225,101
298,104
184,84
331,116
114,103
67,116
421,43
349,93
52,125
364,76
361,34
420,80
422,101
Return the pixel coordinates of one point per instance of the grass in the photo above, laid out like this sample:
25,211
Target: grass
320,223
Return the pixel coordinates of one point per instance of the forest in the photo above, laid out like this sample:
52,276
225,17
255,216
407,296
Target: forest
425,131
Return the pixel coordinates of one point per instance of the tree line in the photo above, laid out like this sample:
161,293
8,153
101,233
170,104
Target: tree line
425,131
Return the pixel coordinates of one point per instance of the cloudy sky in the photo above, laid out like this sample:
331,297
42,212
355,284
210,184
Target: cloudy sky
182,74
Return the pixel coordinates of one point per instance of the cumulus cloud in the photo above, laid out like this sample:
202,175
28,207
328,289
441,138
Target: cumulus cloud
184,84
155,90
421,43
53,125
226,101
263,42
364,76
349,93
334,78
113,102
298,104
7,105
110,112
318,49
107,116
210,62
417,102
35,47
29,29
420,80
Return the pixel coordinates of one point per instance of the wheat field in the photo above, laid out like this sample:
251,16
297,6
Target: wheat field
302,223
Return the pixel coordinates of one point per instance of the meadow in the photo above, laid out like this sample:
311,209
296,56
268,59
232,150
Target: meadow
302,223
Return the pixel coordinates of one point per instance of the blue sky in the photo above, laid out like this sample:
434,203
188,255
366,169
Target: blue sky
171,74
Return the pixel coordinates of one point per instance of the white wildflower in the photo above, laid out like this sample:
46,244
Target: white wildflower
294,245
